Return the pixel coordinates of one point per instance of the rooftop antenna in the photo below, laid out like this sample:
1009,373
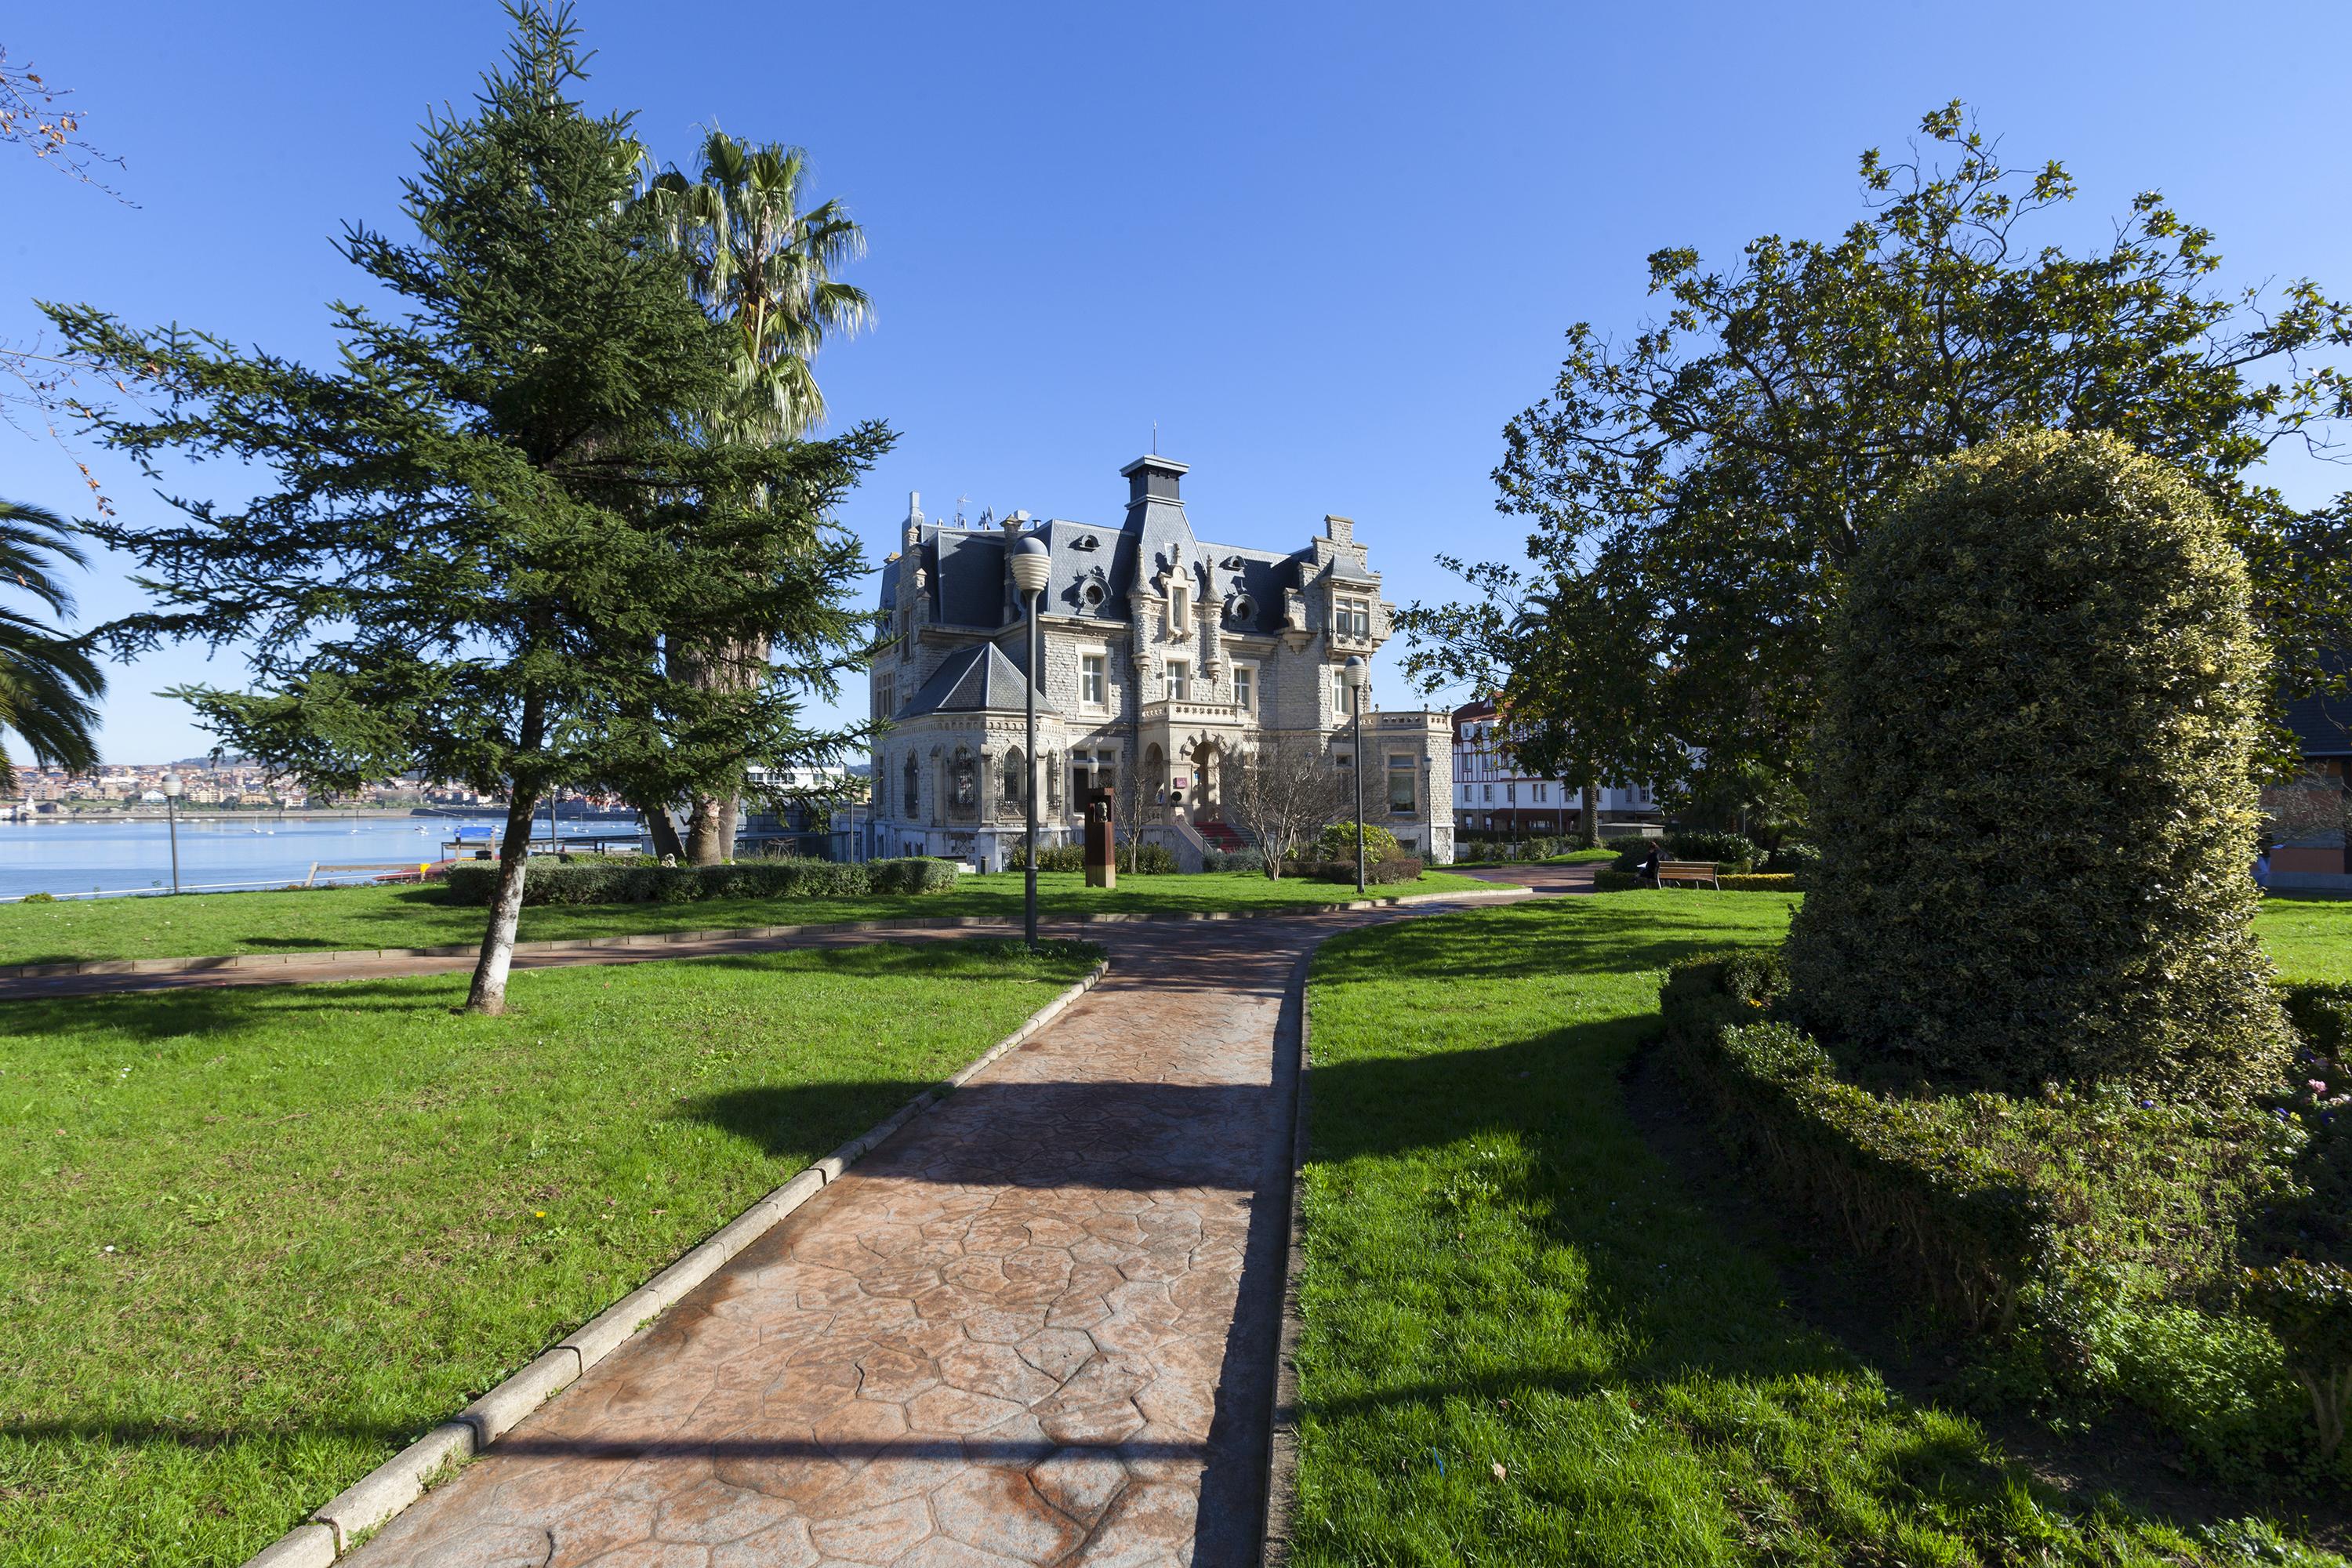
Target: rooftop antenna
1155,438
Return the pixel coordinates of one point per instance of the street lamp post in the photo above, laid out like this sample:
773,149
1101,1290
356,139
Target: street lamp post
173,786
1031,566
1354,674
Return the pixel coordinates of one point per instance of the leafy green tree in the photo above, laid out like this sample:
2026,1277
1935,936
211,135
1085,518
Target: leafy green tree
762,262
47,681
1697,493
494,513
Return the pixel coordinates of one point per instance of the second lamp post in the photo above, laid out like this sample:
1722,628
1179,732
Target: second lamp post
1354,674
1031,566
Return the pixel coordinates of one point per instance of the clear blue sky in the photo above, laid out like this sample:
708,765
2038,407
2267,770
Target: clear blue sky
1328,248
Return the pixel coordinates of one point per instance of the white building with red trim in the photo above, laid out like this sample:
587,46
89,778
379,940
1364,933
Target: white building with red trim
1494,794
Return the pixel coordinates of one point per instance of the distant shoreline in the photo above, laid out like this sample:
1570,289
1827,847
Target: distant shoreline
384,813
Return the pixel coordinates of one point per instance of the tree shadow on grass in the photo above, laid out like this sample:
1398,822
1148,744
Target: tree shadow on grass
1692,1317
1554,937
211,1010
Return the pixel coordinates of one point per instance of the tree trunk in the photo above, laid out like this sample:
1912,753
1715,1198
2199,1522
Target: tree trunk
704,846
1588,819
489,989
731,819
663,831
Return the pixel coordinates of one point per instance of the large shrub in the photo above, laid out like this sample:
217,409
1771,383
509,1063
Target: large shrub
1725,849
2035,798
1338,842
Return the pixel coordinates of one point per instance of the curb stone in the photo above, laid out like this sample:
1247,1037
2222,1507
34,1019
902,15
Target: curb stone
378,1496
105,966
1280,1496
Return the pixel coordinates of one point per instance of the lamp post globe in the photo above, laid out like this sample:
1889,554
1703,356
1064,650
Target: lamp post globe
173,786
1031,564
1355,675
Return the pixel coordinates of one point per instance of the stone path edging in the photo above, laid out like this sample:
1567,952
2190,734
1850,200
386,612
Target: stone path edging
370,1502
195,964
1280,1497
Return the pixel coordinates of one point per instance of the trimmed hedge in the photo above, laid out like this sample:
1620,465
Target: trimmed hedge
2103,1235
1704,843
639,882
1757,881
1502,846
1898,1185
2042,710
1052,858
1609,880
1149,859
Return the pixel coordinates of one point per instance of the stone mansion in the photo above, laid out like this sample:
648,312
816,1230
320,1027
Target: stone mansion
1163,654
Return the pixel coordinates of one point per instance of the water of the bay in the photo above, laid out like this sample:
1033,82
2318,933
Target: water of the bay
134,854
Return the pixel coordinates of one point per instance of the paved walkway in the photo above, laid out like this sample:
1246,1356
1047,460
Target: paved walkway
1541,879
1036,1326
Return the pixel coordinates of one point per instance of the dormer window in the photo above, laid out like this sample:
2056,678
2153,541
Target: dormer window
1351,617
1180,607
1093,596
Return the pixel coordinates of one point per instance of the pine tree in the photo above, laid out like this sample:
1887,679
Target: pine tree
490,515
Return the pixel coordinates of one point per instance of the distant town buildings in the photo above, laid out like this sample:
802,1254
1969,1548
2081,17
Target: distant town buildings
1497,795
235,784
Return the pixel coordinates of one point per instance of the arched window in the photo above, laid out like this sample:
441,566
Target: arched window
1013,763
912,773
964,780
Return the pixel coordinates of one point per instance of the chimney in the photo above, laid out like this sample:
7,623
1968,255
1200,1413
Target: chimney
1153,478
1339,529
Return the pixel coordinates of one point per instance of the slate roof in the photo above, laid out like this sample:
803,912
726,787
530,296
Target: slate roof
972,680
2320,725
1093,567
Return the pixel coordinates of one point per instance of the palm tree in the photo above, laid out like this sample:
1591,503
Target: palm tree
765,266
763,263
46,681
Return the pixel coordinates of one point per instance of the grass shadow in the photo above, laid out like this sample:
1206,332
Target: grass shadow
1504,1249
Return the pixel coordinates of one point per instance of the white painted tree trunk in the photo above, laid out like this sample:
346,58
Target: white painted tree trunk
489,989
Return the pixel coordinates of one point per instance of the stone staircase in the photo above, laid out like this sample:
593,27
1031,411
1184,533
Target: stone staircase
1225,838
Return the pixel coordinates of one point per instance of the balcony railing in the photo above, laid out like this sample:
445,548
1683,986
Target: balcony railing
1171,710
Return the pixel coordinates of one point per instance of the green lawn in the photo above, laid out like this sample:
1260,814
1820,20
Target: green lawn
2308,939
334,918
253,1241
1524,1345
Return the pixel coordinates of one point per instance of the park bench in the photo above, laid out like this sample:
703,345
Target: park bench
1693,871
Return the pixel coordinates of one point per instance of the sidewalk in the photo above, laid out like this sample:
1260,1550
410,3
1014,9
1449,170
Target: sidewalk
1036,1326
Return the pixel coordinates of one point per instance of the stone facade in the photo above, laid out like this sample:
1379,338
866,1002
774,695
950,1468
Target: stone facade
1163,656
